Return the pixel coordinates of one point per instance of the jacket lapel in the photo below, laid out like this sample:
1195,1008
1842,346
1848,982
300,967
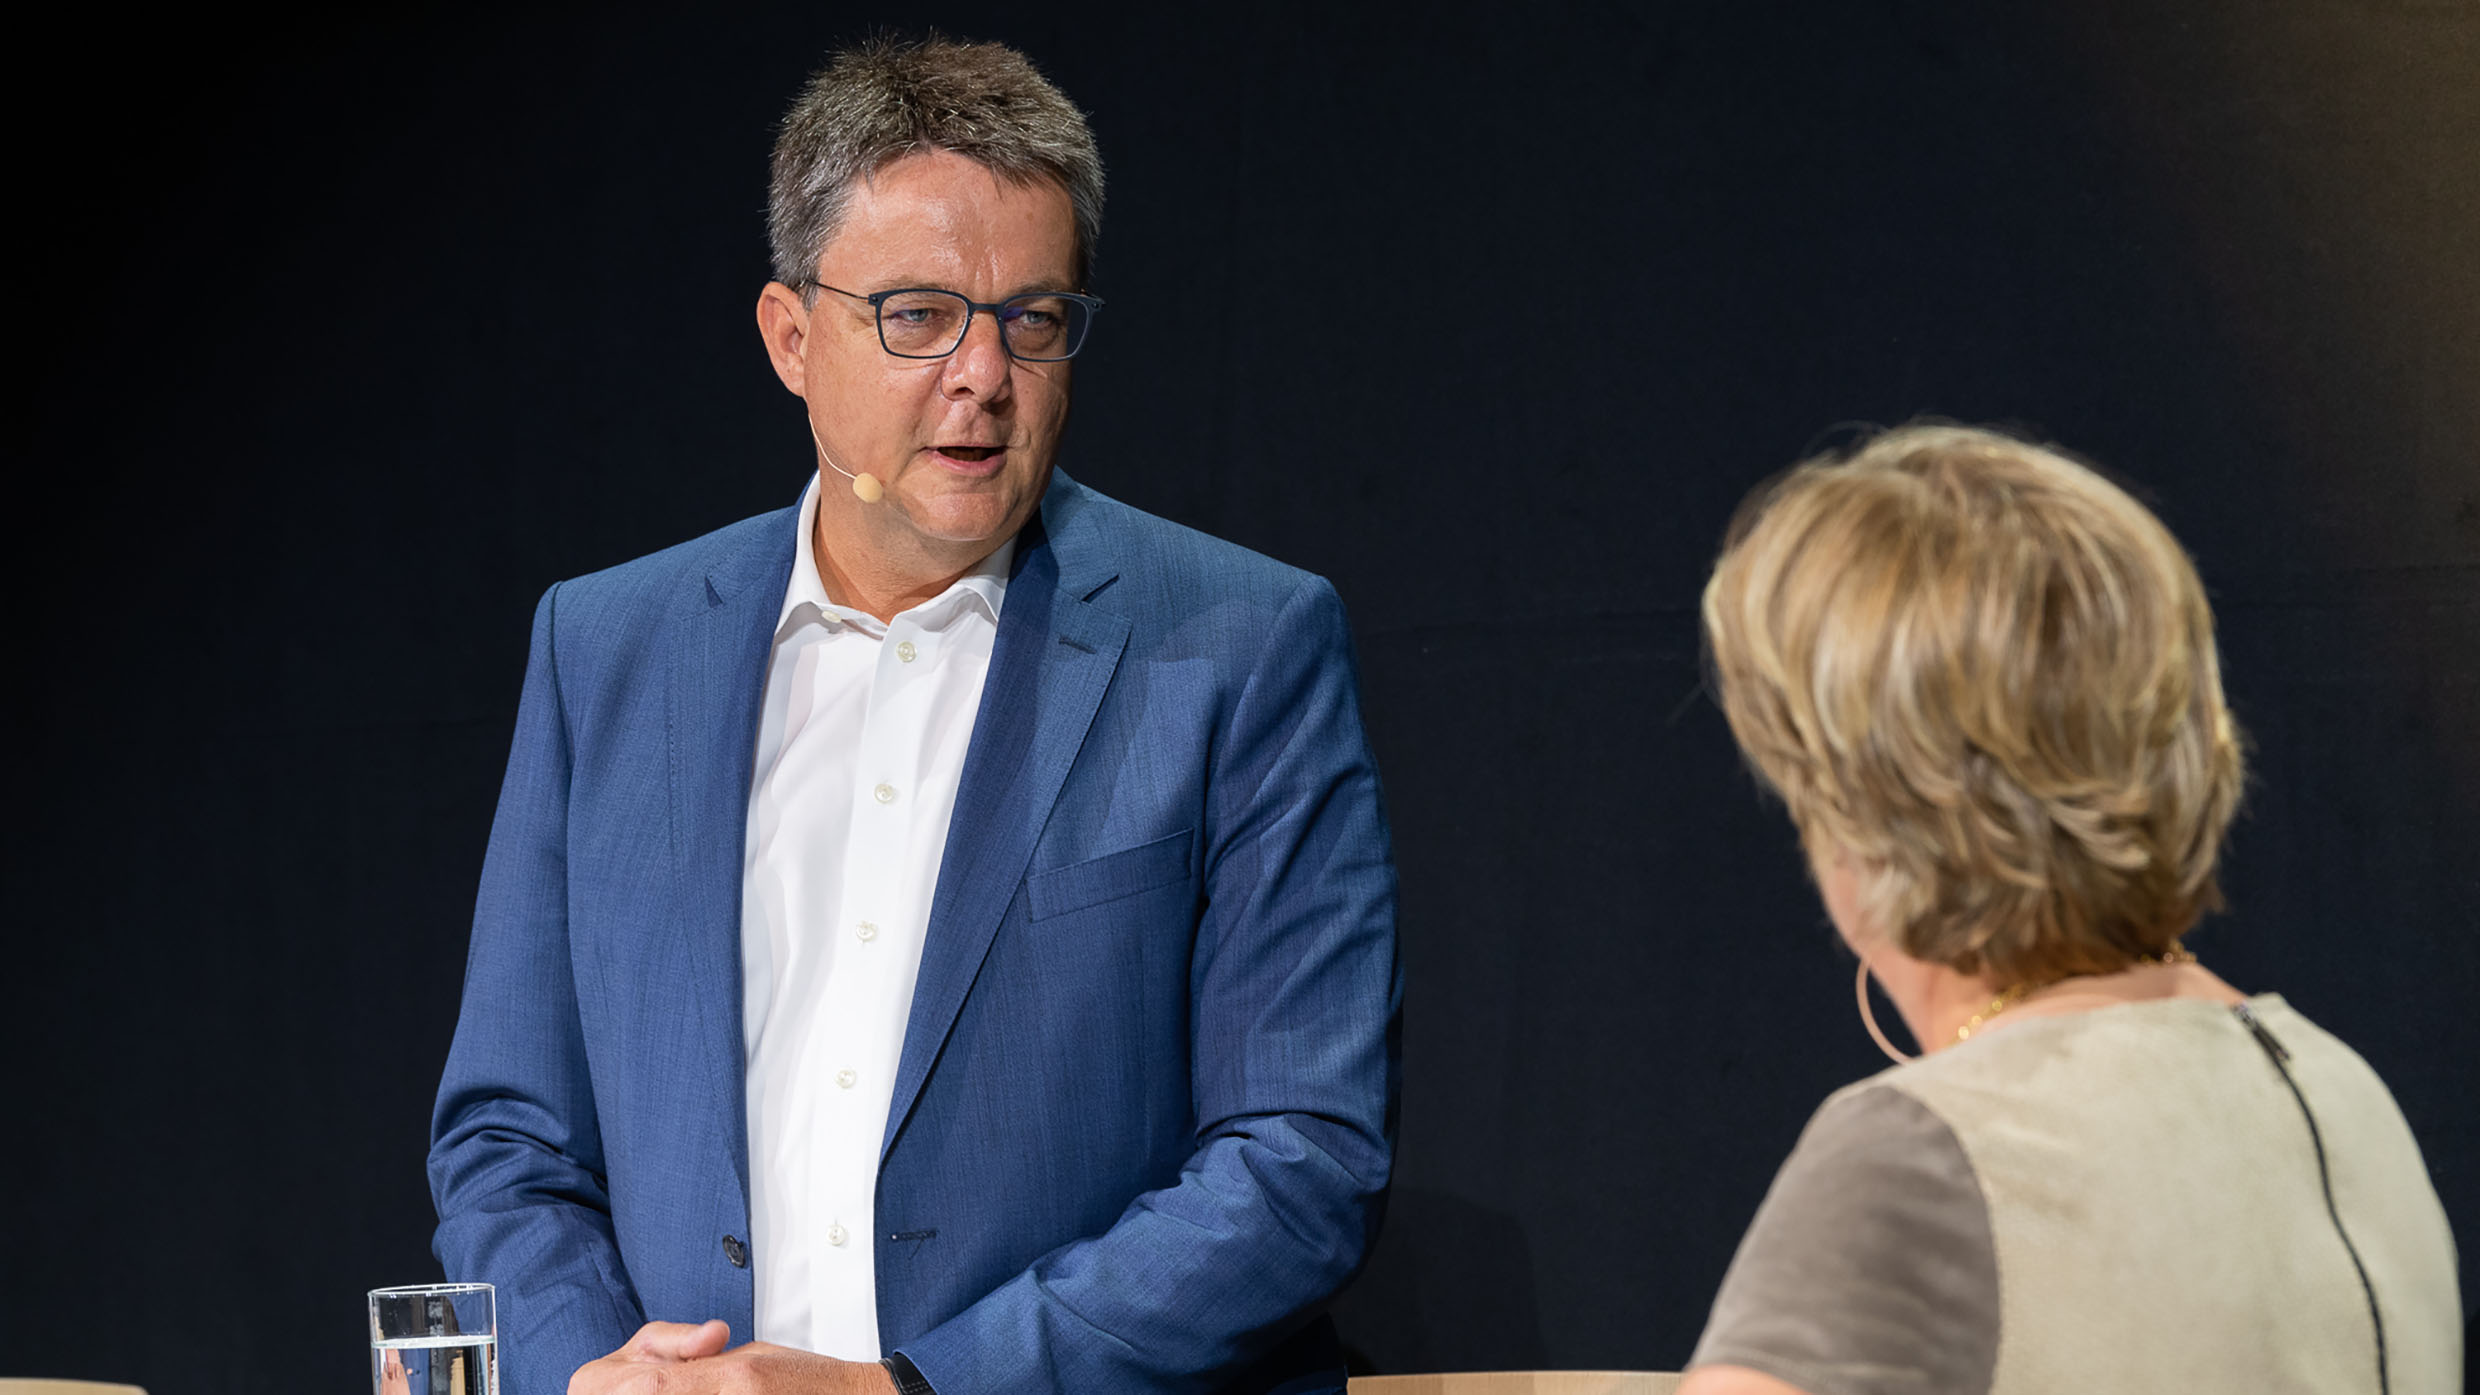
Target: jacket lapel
717,679
1052,661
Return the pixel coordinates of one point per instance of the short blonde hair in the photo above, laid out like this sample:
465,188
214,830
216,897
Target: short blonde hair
1988,676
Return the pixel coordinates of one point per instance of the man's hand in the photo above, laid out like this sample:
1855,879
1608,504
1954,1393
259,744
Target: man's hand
638,1365
675,1358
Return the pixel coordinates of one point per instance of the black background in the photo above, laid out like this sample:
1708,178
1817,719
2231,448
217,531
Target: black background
338,344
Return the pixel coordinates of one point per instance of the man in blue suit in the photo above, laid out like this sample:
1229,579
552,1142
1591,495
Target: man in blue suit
944,929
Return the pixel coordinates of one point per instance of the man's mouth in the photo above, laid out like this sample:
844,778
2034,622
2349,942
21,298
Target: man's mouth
970,453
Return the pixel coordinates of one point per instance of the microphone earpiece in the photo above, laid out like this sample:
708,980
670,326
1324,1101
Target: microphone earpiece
865,486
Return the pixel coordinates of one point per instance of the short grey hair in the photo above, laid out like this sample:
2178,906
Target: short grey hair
877,103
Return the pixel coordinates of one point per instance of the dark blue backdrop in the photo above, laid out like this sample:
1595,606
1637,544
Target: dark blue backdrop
349,340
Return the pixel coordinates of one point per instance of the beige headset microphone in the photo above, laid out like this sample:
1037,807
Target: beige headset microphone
865,486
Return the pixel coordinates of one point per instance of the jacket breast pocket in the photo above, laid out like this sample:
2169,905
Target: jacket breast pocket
1110,877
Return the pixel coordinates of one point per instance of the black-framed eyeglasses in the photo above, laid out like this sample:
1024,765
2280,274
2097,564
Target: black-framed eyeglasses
920,322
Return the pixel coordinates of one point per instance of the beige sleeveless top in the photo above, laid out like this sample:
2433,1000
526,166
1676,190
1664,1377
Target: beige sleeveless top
2129,1199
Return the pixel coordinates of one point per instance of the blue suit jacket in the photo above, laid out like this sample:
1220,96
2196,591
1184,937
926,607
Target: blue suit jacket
1143,1119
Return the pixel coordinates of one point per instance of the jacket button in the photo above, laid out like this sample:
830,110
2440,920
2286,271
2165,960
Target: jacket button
736,1252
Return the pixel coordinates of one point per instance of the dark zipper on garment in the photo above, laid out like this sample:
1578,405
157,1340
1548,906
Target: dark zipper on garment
2280,1055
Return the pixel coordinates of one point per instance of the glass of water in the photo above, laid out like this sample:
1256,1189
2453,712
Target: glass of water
434,1339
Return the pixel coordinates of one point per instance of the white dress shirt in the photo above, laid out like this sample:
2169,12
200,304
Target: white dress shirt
861,744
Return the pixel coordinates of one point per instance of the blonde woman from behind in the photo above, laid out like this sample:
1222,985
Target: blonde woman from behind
1983,681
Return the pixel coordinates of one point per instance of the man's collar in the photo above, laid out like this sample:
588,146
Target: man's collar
805,588
986,583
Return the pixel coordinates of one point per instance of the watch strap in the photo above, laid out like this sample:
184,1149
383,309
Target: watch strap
906,1375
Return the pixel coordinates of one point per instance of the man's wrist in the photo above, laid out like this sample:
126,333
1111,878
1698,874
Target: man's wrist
905,1374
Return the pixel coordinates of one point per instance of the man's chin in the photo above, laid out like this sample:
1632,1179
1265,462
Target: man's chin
965,523
964,517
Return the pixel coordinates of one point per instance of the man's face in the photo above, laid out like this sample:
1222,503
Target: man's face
963,444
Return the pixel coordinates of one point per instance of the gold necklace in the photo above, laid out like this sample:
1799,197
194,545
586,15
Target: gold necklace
2176,954
1997,1005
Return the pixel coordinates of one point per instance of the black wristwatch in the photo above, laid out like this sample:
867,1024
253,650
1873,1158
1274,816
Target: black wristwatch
906,1375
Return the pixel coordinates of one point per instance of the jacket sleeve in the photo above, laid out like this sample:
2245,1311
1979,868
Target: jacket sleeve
1294,992
516,1159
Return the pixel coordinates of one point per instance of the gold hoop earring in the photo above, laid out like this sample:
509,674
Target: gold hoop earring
1868,1016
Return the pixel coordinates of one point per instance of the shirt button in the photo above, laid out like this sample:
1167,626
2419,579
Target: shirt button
846,1078
885,794
836,1235
906,652
867,930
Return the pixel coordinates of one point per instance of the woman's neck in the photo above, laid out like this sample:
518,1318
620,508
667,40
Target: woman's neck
1937,1002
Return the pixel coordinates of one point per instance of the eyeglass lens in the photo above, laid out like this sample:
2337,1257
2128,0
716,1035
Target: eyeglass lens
930,324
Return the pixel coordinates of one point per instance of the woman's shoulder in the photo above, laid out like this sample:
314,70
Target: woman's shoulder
1871,1251
2129,1062
2097,1102
1879,1116
2143,1156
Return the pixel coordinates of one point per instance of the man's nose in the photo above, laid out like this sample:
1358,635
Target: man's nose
980,365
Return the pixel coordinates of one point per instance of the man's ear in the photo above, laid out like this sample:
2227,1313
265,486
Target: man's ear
783,323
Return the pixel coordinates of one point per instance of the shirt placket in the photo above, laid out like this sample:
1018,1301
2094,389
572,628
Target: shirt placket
879,926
